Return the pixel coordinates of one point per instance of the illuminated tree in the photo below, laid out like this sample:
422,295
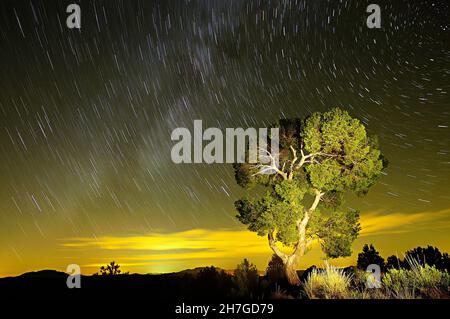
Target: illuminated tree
320,158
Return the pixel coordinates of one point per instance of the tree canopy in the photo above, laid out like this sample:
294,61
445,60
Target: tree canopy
320,158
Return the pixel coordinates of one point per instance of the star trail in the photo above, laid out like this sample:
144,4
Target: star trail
86,117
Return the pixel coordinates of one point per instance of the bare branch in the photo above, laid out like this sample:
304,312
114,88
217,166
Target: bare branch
311,158
291,170
269,168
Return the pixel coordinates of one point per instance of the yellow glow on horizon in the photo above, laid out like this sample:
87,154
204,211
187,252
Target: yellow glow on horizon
194,243
375,223
165,252
157,252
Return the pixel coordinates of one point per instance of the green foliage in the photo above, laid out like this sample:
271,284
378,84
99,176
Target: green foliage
242,176
278,210
412,279
418,281
338,156
332,200
337,231
351,160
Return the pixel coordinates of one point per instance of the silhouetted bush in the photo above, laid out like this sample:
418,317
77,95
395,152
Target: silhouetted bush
275,274
212,283
246,280
416,281
393,262
430,256
369,256
111,269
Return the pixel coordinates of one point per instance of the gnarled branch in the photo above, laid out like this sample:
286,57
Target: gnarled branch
301,245
270,168
275,248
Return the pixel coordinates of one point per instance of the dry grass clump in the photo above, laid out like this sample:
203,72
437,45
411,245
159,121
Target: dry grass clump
328,283
417,282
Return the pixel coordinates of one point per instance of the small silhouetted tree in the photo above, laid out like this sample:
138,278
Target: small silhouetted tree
368,256
246,280
423,255
320,158
111,269
275,270
428,255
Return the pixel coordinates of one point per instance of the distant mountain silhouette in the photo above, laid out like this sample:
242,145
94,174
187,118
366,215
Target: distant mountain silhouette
42,273
186,284
200,282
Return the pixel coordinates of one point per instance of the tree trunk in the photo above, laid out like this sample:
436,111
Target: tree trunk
290,262
291,271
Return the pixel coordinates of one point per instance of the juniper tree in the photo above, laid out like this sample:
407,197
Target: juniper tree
369,256
319,159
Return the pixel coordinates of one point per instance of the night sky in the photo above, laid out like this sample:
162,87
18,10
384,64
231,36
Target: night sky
86,117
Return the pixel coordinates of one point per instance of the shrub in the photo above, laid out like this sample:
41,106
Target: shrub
275,274
112,269
420,281
368,256
246,280
423,255
212,283
393,262
328,283
429,255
